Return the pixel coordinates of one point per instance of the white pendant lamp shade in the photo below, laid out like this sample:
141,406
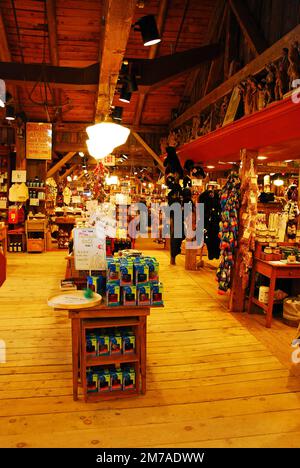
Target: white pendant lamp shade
108,134
98,149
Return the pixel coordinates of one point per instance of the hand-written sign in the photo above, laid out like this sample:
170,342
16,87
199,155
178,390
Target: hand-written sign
38,140
89,250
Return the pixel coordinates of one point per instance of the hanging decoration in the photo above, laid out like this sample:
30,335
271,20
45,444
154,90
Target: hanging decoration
97,183
228,234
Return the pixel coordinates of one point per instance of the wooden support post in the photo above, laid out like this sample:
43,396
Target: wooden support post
20,153
238,292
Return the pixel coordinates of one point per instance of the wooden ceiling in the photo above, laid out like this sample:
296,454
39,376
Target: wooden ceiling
68,33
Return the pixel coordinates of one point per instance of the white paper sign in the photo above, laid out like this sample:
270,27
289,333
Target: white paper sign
34,202
3,204
89,250
18,176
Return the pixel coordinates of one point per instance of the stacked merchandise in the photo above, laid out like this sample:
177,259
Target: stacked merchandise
132,281
102,379
111,342
230,202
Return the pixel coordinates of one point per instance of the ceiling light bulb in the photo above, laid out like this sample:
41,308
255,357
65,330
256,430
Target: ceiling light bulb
81,154
10,113
278,182
147,26
107,134
210,167
69,178
261,158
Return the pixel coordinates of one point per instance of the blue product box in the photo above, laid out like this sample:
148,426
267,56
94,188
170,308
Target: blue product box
143,294
112,294
92,381
128,378
116,379
126,273
128,342
103,345
129,295
153,266
113,271
115,344
157,294
91,344
103,381
141,272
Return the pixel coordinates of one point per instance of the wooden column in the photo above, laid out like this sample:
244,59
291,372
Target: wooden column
238,290
20,153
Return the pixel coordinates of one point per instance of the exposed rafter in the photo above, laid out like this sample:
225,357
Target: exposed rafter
253,35
255,66
60,163
119,17
68,172
160,21
148,149
5,55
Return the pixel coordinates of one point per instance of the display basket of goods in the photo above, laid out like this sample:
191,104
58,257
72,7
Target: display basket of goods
291,311
74,300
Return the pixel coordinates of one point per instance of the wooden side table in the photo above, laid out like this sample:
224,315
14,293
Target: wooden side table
103,316
272,270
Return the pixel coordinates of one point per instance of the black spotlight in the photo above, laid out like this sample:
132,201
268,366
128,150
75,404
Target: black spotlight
131,83
117,113
10,113
125,94
148,28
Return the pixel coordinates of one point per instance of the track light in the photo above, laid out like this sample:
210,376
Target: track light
125,95
148,28
117,113
10,113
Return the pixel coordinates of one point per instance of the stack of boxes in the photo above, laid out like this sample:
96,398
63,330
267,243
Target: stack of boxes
110,342
133,281
101,380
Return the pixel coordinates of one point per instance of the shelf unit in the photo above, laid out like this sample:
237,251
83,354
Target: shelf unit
106,317
36,235
4,182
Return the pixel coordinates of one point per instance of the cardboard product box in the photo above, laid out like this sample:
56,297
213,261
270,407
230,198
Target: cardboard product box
103,345
128,342
143,294
113,271
157,294
141,272
91,344
129,295
115,344
112,294
103,381
153,266
92,381
116,379
128,378
126,273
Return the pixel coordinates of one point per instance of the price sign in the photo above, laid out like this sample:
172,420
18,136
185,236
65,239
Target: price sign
89,250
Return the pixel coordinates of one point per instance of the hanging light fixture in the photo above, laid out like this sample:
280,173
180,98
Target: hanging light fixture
125,94
117,113
10,113
97,149
148,28
104,137
2,93
278,182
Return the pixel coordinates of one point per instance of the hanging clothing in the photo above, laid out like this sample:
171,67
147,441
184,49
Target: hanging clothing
212,212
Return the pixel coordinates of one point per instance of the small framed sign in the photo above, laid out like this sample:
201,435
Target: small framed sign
18,176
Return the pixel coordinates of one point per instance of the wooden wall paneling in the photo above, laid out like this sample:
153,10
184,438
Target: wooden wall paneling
255,66
248,25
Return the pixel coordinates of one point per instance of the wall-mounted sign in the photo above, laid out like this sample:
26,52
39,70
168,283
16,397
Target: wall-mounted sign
18,176
38,140
109,160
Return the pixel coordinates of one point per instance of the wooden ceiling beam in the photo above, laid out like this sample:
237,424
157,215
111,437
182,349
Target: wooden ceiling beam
68,172
253,35
148,149
60,164
114,37
252,68
160,22
53,46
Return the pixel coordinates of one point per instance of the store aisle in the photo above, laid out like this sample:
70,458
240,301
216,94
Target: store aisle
211,383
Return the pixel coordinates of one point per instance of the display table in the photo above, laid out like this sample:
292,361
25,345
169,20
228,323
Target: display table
99,317
272,270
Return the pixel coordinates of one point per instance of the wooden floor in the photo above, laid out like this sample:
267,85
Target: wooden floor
214,379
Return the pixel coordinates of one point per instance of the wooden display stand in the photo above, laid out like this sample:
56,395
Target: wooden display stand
103,316
3,243
35,227
272,270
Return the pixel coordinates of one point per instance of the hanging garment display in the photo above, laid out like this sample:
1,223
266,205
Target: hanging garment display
212,213
18,193
230,202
